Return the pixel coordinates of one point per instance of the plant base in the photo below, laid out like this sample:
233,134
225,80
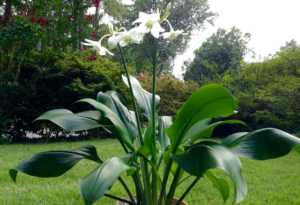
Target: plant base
174,201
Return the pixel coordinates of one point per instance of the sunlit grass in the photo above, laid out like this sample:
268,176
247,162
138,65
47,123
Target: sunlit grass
269,182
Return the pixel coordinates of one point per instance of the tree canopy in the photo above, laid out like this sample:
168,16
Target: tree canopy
223,50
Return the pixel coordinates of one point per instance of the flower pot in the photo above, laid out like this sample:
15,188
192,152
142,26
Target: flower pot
174,201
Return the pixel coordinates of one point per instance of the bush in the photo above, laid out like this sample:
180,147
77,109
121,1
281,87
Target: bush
50,80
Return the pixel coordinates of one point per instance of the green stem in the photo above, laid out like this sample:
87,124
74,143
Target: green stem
154,176
127,190
164,184
138,190
140,139
187,191
173,187
146,180
184,180
169,164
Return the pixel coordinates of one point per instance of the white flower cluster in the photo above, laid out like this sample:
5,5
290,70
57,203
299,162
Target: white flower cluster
149,23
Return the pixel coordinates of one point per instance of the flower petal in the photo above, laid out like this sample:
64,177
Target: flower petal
166,35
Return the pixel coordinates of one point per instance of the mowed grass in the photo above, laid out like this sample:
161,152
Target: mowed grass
269,182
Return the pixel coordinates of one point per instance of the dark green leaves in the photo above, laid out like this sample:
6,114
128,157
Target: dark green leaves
262,144
210,155
220,184
54,163
98,182
207,102
73,122
116,103
200,129
117,127
143,97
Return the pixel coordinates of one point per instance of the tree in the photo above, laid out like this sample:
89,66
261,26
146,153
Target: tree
221,51
290,45
187,15
268,92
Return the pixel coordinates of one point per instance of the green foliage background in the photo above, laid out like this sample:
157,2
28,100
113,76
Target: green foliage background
268,92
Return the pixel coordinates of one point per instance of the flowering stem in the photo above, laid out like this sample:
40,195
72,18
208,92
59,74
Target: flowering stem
154,176
139,140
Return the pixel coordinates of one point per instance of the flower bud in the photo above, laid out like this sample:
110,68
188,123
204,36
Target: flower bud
168,7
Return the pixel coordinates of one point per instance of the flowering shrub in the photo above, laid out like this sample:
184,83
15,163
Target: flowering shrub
90,17
93,35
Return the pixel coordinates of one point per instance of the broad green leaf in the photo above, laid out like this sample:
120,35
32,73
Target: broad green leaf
54,163
195,129
262,144
73,122
220,184
210,155
207,102
119,129
162,138
97,183
116,103
143,97
198,131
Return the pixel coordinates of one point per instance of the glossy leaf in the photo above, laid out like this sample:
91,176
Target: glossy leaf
200,130
97,183
119,129
54,163
207,102
73,122
220,184
262,144
143,97
162,138
210,155
116,103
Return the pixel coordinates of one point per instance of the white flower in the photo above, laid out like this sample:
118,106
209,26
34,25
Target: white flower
149,23
97,46
113,40
132,36
172,34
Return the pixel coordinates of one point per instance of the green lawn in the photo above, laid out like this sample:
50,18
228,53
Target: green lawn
269,182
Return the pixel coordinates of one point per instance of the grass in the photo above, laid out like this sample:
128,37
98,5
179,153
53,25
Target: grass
274,182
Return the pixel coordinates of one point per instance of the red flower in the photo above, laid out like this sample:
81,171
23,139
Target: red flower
93,35
0,111
96,3
47,22
93,58
31,19
5,95
69,17
41,21
90,17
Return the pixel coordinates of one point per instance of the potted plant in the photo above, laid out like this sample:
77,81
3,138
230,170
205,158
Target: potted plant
175,147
